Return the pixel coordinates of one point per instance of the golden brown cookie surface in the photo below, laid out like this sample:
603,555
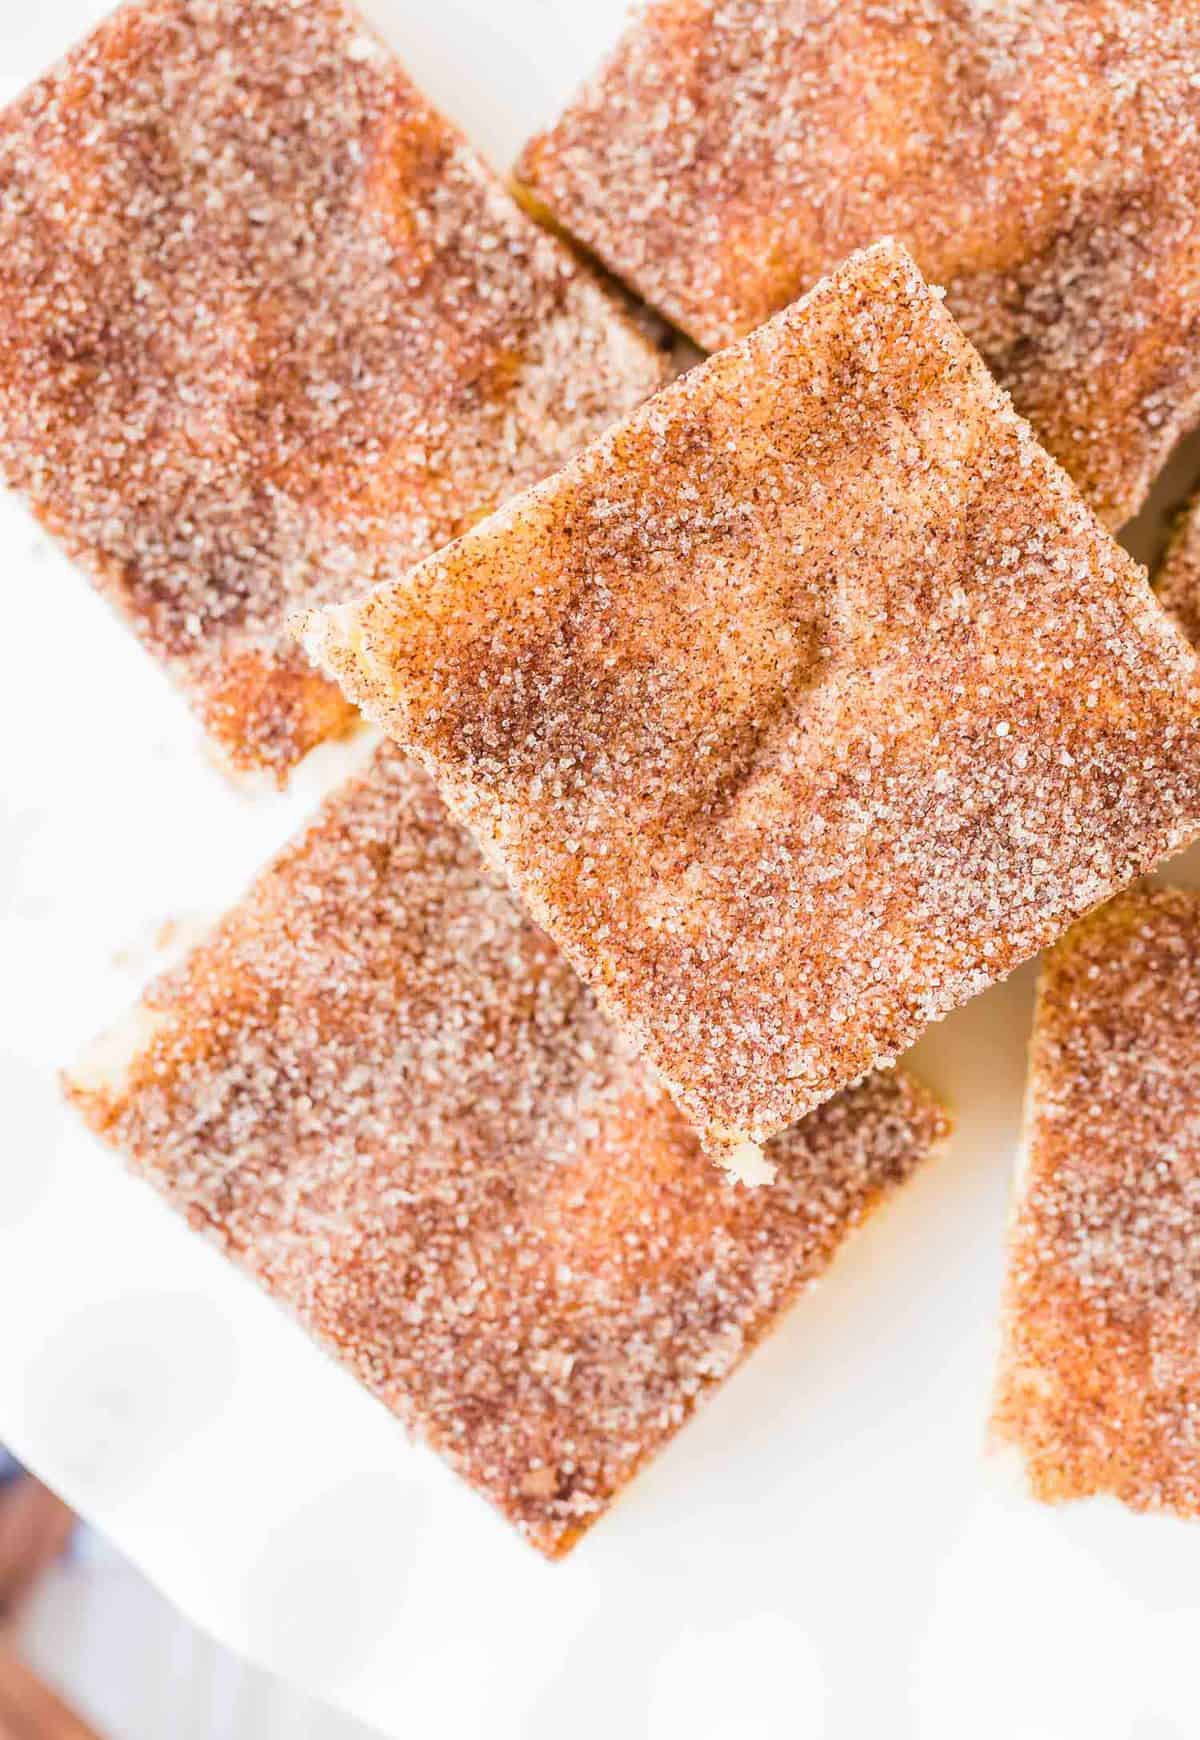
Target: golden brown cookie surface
1041,158
268,331
380,1089
1099,1384
802,706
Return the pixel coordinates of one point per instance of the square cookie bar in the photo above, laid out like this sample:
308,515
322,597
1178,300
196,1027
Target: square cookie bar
382,1091
269,330
1041,160
801,706
1099,1384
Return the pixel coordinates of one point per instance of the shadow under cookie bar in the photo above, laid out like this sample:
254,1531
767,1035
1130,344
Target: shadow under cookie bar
1099,1380
1040,161
380,1089
270,330
802,706
1177,582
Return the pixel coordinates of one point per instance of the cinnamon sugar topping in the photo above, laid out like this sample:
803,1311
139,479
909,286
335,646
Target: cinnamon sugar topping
379,1089
1041,158
270,331
1099,1381
800,707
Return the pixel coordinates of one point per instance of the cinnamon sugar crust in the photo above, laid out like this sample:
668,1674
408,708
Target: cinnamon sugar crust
800,707
1041,158
269,331
1099,1382
381,1090
1178,580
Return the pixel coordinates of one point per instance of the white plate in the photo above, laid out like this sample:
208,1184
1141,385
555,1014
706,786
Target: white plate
822,1553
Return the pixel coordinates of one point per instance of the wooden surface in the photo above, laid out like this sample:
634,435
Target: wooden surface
29,1710
35,1526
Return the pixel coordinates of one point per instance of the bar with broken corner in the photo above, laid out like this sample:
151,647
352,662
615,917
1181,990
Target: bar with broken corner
1041,161
381,1090
269,329
1099,1381
800,707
